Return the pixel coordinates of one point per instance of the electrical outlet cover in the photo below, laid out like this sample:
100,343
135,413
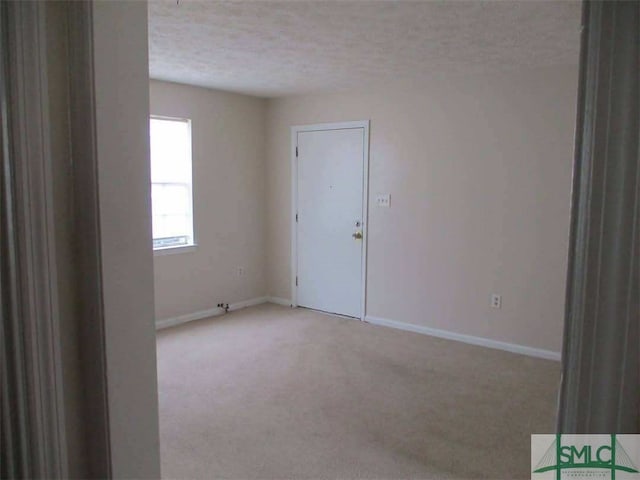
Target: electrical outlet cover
496,300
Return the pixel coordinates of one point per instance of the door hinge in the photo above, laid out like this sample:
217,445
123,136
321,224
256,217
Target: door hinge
296,151
296,280
296,218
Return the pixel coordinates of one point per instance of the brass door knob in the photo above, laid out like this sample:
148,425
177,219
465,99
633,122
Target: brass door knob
357,235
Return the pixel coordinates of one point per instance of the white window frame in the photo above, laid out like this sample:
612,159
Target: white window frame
190,247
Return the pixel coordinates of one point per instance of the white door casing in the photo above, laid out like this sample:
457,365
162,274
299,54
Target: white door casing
329,190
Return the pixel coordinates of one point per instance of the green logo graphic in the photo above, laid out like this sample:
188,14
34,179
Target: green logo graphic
609,456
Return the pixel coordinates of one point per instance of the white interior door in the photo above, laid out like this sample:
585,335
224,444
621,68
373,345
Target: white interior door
330,176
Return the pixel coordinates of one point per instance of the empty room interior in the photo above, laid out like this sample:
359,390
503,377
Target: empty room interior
361,218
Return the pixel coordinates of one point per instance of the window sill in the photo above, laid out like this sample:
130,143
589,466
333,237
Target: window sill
159,252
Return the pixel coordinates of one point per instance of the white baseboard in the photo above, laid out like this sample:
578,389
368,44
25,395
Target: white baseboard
434,332
480,341
247,303
279,301
211,312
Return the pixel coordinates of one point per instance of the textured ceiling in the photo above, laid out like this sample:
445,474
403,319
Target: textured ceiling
275,48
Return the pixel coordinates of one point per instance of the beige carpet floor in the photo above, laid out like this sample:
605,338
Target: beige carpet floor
271,392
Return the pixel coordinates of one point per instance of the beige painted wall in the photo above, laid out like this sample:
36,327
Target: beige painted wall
479,173
122,131
228,137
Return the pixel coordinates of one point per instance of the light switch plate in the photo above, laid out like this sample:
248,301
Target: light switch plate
383,200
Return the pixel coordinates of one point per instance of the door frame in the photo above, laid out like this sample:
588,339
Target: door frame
295,130
31,351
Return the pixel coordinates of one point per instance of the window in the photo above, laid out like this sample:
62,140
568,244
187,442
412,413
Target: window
171,195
